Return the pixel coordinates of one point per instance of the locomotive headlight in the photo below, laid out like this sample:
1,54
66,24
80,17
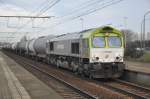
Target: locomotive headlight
95,58
118,58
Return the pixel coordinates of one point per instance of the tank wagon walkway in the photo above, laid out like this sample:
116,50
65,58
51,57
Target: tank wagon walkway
18,83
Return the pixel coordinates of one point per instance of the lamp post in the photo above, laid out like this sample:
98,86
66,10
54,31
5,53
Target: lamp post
142,42
142,34
144,28
125,27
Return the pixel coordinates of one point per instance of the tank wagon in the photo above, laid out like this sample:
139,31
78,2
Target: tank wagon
7,46
14,46
30,47
96,52
21,47
39,46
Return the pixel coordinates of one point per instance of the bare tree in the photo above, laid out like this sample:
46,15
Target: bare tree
129,35
132,43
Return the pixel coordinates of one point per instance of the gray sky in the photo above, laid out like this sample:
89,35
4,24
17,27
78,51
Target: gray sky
126,14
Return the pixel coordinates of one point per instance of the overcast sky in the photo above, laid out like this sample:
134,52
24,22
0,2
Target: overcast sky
126,14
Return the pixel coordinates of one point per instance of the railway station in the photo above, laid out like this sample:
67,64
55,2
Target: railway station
66,49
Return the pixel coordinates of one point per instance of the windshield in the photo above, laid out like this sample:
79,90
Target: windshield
98,42
114,41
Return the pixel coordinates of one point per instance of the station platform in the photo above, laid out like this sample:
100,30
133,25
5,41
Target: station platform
138,67
17,83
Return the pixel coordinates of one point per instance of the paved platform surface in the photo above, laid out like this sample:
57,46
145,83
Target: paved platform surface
18,83
138,66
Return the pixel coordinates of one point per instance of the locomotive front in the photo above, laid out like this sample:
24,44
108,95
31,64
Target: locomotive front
106,53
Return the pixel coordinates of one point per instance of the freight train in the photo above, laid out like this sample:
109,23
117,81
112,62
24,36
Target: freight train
96,52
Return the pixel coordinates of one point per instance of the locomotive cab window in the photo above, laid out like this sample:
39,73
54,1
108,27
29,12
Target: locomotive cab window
75,48
51,46
114,41
98,42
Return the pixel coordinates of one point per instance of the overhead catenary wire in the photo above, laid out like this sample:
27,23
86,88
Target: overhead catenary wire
49,4
41,6
82,6
87,12
94,10
79,10
43,10
104,5
88,4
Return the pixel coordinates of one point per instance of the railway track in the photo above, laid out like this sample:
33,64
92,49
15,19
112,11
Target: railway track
128,89
131,89
59,85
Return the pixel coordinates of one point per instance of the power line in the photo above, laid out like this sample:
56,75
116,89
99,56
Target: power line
83,6
88,4
104,5
50,4
28,16
41,12
94,10
80,8
42,5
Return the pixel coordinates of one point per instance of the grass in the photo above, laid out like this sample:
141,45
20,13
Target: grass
145,57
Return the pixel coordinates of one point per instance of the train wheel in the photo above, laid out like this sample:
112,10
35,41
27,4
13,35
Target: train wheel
74,67
48,61
90,76
57,64
76,72
82,75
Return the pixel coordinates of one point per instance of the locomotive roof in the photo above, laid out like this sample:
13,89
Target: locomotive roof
75,35
86,33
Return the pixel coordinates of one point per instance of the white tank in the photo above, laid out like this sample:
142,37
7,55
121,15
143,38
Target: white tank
31,46
27,44
14,46
22,45
40,44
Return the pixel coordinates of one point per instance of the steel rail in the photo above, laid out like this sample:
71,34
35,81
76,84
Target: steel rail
136,91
